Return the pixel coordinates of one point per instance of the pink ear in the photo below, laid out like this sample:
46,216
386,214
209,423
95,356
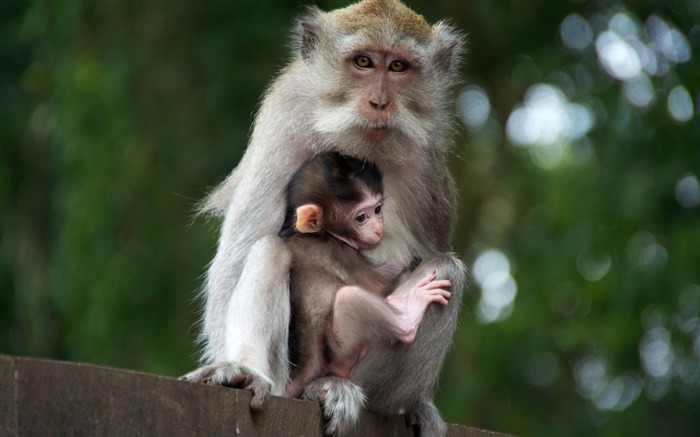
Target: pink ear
309,219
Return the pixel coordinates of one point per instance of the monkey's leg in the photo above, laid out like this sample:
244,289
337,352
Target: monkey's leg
256,333
311,367
360,316
310,372
416,368
401,378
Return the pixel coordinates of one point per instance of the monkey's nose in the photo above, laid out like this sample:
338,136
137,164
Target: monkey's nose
379,100
379,104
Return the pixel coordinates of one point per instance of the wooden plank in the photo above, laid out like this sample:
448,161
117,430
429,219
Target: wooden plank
46,397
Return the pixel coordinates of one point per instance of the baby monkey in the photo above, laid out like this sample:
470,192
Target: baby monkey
334,211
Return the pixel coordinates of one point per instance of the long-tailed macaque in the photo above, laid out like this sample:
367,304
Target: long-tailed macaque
372,81
334,210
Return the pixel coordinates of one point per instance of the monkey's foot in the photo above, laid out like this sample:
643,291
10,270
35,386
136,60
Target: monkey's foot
426,417
233,375
341,401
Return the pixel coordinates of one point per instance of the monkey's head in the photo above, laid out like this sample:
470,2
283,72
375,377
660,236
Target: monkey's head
337,196
377,79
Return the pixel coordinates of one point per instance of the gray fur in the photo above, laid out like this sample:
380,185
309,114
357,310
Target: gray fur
309,109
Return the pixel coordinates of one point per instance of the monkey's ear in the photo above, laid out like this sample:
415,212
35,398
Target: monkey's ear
309,38
309,219
450,46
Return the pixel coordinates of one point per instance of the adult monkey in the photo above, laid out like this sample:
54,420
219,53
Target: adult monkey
371,81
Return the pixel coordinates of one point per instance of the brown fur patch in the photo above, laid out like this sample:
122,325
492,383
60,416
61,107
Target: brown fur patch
339,97
415,107
372,13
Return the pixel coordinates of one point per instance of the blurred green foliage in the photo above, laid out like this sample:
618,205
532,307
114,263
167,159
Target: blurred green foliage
584,314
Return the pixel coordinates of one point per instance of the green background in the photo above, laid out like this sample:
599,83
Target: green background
117,117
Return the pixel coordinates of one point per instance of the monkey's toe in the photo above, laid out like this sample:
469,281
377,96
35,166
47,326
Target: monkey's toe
236,376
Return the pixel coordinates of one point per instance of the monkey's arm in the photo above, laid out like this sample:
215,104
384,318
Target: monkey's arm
246,317
253,331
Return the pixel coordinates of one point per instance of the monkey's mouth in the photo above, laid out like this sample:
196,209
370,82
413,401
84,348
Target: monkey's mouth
378,132
370,246
380,125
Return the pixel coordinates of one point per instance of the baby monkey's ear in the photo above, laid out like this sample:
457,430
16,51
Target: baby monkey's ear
309,219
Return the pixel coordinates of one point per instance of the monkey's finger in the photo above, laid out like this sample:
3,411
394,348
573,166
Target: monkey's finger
260,392
439,295
442,301
436,298
256,402
201,375
427,279
442,283
436,292
441,292
189,378
445,297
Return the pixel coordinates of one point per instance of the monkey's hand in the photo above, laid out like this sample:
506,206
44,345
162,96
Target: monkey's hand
233,375
411,307
341,401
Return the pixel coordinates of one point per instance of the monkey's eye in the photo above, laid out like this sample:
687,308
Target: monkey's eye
398,66
363,61
361,218
378,209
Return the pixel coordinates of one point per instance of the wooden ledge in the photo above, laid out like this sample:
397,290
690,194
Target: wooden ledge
46,397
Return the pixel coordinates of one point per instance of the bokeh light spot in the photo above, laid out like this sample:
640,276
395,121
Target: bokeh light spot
688,191
473,107
498,288
549,122
575,32
668,40
639,91
656,353
593,265
679,104
617,56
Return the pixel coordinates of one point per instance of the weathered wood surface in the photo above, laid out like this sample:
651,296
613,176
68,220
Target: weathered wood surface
45,397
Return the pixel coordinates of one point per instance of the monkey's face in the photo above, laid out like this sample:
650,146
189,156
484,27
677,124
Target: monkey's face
377,76
374,111
366,223
362,226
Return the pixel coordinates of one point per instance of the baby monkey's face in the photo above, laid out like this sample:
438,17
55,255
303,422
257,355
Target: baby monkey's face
367,222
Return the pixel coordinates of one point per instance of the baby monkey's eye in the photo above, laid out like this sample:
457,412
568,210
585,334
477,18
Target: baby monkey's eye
361,218
363,61
378,209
